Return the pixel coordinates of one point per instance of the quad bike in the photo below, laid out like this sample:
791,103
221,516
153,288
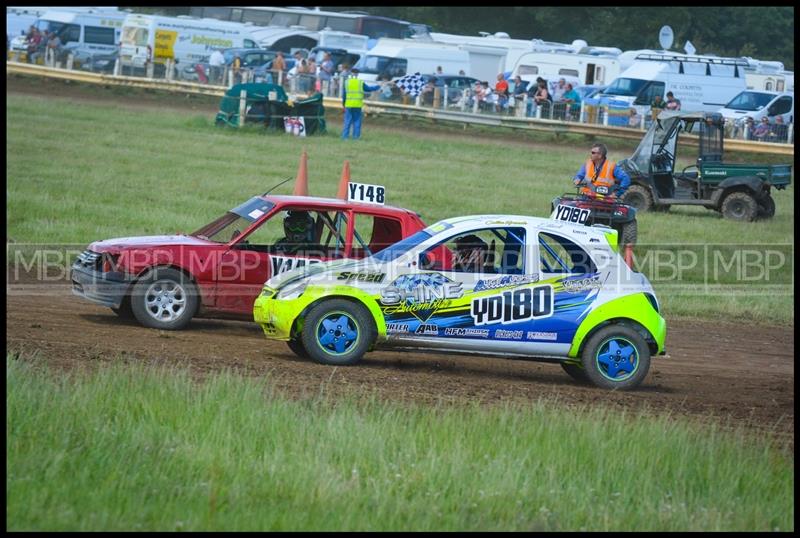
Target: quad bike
591,209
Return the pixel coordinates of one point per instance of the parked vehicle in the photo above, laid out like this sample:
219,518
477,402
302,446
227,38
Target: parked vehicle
738,191
394,58
82,33
756,105
164,281
101,63
499,285
701,83
252,58
453,86
578,68
156,39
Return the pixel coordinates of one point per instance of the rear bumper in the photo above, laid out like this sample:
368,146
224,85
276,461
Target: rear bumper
107,289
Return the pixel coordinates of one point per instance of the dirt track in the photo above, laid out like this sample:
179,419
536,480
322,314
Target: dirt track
744,373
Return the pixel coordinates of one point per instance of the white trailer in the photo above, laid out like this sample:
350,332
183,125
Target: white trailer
585,69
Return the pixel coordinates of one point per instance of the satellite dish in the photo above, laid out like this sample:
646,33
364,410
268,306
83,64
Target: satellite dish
665,37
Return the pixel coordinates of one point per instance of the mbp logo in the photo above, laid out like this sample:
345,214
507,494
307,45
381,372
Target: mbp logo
572,214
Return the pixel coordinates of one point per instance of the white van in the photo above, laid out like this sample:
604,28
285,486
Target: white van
156,39
701,83
758,104
395,58
83,33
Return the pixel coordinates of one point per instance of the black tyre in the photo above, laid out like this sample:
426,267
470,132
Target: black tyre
576,372
740,206
616,357
639,197
297,348
766,209
628,233
338,332
165,299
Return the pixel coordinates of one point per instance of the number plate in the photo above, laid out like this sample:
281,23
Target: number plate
368,194
602,190
571,214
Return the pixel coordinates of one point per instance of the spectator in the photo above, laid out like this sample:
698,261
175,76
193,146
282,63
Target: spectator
478,95
501,91
326,70
672,103
41,39
635,120
279,63
311,73
236,66
656,106
542,97
763,130
573,101
558,91
461,73
439,77
55,48
33,40
216,64
749,127
353,101
426,94
489,97
779,130
386,84
520,87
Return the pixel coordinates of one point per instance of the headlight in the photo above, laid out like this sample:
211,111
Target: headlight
293,290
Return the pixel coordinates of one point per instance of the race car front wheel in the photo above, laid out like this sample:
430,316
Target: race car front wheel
165,299
616,357
338,332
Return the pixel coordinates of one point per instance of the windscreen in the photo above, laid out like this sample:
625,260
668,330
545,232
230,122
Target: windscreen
373,64
625,86
750,101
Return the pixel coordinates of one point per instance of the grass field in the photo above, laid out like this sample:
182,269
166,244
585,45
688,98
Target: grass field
79,172
131,447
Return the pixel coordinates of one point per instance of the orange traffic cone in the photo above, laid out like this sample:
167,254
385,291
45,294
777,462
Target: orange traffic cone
342,193
301,181
629,255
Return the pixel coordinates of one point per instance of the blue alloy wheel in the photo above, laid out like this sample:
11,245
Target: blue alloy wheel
337,333
617,359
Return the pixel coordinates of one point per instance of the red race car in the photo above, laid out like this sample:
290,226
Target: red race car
164,281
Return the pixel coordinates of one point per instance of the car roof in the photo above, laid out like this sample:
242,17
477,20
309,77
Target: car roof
280,199
469,222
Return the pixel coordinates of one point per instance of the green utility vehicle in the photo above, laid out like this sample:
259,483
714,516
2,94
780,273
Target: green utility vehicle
738,191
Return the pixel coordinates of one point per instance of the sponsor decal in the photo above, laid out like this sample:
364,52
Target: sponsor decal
580,284
513,335
540,335
571,214
427,329
505,281
347,276
396,328
594,240
513,306
281,264
420,295
466,331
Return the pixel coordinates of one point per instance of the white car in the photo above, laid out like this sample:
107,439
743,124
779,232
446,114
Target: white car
502,285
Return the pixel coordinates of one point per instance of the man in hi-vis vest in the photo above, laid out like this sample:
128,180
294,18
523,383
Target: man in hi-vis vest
353,100
600,176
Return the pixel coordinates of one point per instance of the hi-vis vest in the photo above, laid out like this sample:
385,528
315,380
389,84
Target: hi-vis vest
601,181
354,98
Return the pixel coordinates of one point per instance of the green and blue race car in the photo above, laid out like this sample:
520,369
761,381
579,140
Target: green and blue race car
499,285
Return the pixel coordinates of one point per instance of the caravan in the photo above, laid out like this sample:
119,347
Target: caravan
701,83
154,39
583,69
83,33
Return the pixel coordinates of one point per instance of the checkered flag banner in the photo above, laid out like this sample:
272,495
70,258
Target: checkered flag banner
411,84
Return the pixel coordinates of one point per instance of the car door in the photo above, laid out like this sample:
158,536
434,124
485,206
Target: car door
453,297
258,254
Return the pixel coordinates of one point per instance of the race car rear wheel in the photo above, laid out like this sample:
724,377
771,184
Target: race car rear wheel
165,299
616,357
576,372
338,332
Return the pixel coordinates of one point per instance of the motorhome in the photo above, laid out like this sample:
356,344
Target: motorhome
394,58
586,69
701,83
156,39
768,75
83,33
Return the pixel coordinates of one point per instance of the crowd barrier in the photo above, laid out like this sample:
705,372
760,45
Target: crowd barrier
441,104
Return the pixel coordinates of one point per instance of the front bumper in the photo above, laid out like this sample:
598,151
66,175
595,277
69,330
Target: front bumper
107,289
275,317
